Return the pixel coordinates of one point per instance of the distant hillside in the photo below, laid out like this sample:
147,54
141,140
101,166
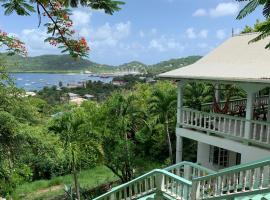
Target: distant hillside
172,64
47,63
64,63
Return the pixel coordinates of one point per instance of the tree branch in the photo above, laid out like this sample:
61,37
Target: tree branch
54,22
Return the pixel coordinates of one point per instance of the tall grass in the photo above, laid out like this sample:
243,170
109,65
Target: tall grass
47,189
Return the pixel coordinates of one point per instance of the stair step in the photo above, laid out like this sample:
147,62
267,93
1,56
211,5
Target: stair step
255,197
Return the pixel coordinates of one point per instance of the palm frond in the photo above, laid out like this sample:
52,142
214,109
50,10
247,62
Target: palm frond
249,8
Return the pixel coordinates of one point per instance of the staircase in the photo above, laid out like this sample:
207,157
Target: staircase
190,181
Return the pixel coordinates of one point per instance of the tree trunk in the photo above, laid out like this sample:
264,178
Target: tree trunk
75,177
168,138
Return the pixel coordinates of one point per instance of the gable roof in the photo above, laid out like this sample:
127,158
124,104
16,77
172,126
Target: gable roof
234,60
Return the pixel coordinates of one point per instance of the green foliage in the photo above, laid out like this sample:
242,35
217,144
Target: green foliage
197,94
264,27
19,6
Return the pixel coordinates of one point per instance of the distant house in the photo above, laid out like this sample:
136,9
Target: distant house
88,96
72,96
78,101
31,94
76,85
119,83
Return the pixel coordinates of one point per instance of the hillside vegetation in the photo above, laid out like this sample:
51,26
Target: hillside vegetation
64,63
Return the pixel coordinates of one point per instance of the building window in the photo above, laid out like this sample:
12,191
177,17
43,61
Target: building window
219,156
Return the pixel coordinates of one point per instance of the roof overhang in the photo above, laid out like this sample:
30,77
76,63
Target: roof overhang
233,61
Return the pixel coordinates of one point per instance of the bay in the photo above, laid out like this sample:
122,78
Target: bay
36,81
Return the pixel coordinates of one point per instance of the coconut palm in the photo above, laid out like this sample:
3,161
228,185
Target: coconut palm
197,94
264,28
161,105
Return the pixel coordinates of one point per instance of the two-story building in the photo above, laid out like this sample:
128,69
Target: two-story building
233,136
240,132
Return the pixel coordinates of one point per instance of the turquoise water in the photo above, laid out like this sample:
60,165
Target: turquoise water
36,81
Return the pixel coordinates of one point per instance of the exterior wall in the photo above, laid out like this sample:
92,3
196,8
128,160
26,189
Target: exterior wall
203,157
248,153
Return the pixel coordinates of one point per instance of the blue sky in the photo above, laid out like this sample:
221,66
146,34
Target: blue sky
145,30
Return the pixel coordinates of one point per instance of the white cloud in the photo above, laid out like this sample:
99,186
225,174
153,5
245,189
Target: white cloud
192,34
34,40
81,17
203,45
222,9
141,33
221,34
203,33
200,12
165,43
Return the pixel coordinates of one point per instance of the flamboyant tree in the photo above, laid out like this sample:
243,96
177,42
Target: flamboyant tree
60,26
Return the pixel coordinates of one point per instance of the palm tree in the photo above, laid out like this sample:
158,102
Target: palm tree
123,118
161,105
80,140
264,27
197,94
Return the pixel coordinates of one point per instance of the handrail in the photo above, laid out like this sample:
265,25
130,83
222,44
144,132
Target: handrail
155,172
234,100
228,126
216,114
194,165
236,168
241,180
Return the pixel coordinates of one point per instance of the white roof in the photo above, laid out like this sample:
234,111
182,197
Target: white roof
234,60
70,94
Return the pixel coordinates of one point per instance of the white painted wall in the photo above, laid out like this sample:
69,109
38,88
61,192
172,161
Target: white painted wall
248,153
203,152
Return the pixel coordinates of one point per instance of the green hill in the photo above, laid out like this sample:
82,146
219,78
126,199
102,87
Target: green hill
172,64
64,63
47,63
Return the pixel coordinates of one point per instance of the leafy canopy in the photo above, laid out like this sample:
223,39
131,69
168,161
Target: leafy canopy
60,25
264,28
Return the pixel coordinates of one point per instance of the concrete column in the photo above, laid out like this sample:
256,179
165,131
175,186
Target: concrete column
180,90
249,113
268,108
159,187
217,93
251,90
179,148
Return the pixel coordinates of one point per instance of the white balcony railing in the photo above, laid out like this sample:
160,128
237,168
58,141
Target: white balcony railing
226,126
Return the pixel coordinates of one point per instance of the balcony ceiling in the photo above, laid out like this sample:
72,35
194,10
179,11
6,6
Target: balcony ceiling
234,61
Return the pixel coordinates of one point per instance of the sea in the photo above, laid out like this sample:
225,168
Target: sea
37,81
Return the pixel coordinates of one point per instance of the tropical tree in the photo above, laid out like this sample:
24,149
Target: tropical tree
59,26
122,118
197,94
162,103
80,141
264,28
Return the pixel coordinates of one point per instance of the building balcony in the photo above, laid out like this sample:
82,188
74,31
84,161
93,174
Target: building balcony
237,128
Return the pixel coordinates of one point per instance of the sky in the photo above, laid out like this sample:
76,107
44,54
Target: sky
148,31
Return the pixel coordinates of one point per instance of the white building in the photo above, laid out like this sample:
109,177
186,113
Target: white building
72,96
225,140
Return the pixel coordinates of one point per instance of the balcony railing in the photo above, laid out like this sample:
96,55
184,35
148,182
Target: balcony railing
235,104
227,126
